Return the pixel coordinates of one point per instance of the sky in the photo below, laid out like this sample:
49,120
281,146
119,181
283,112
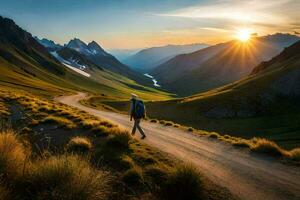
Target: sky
130,24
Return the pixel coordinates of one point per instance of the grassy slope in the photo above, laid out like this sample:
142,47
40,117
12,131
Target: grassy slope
24,63
277,120
44,82
133,170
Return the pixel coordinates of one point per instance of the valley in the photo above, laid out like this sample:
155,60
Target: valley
216,93
255,106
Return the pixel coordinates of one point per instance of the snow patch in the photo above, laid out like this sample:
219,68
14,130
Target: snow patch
72,64
77,70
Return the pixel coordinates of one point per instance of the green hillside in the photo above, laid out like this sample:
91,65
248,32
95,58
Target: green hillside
265,104
26,64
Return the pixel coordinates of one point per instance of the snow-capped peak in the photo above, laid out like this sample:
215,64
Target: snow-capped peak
49,44
95,48
79,46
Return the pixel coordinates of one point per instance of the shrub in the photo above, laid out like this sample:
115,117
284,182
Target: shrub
120,138
213,135
12,156
133,177
295,154
68,178
265,146
185,182
79,145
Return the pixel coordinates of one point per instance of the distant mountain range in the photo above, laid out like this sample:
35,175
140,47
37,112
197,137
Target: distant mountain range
147,59
87,56
263,104
218,65
45,67
26,63
123,54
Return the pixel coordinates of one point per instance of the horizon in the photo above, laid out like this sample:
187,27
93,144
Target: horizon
131,24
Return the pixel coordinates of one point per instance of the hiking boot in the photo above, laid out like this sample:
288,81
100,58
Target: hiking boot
143,137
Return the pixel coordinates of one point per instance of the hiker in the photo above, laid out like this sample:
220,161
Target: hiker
137,112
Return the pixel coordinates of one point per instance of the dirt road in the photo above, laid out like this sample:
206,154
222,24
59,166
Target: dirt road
247,176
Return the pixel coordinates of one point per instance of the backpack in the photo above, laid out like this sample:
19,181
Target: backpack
139,109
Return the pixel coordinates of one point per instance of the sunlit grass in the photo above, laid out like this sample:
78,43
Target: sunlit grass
79,145
13,155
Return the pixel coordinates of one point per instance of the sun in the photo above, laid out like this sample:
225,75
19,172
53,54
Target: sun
243,35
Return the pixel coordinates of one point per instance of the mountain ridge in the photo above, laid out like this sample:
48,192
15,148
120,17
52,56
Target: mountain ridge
147,59
219,64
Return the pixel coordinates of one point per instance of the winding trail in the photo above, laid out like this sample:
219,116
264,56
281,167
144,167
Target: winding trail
247,176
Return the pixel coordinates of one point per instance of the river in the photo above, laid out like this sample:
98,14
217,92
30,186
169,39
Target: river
153,79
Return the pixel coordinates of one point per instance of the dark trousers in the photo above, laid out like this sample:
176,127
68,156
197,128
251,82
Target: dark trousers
136,125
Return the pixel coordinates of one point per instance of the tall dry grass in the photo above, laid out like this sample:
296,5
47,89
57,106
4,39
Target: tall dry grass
184,182
66,177
13,155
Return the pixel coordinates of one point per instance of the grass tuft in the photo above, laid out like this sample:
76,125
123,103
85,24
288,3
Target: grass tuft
66,177
80,145
295,154
133,177
169,123
126,162
185,182
176,125
190,129
214,135
120,138
153,120
155,175
265,146
63,122
13,155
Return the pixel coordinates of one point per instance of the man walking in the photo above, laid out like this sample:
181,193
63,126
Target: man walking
137,112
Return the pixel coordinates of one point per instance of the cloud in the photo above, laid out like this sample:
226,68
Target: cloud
244,12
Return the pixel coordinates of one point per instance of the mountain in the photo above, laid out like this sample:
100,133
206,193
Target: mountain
148,59
19,48
264,104
49,44
79,46
71,57
95,48
218,65
123,54
26,64
97,55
